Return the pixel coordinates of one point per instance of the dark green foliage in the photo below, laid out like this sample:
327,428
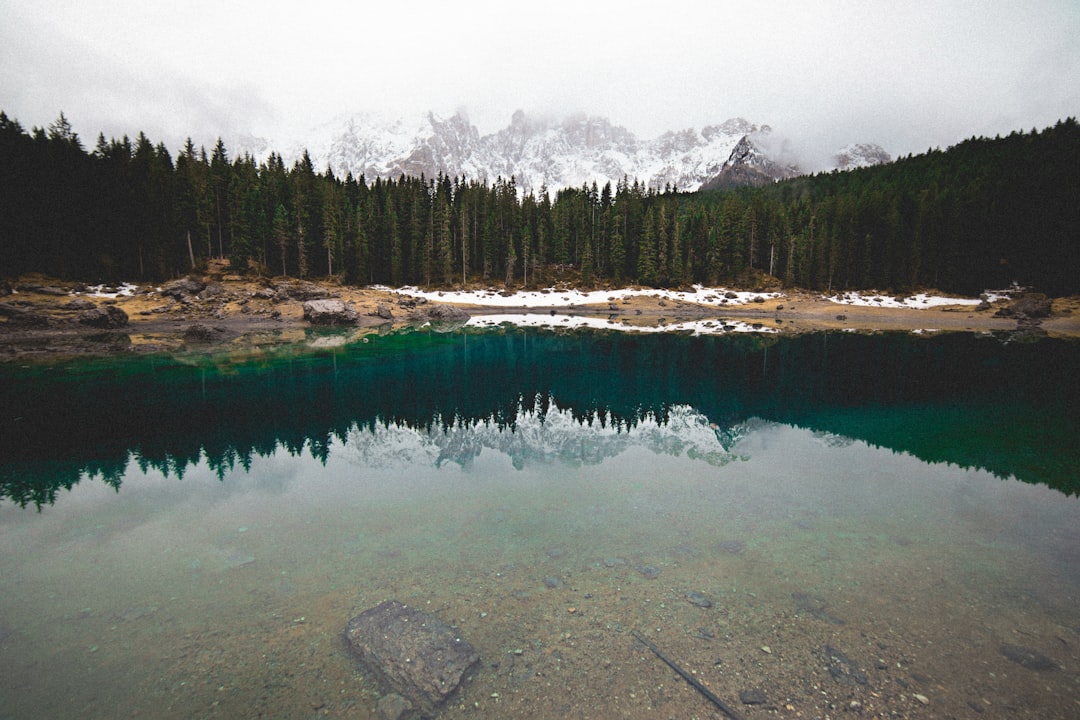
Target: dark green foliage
982,214
955,398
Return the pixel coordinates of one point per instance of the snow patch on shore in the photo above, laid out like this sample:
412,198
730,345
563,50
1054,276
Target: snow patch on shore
919,301
551,297
111,291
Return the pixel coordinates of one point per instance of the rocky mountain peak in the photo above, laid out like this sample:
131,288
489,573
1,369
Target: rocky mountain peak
538,151
859,155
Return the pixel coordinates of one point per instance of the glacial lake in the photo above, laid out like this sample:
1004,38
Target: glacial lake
823,525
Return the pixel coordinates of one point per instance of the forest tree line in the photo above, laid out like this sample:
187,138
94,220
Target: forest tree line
984,213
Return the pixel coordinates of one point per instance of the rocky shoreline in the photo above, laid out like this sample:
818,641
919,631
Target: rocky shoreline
46,318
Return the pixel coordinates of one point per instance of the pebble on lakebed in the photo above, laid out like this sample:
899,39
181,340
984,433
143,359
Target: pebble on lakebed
696,598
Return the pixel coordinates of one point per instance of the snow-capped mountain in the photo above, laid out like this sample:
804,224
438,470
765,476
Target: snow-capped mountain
757,159
542,152
858,155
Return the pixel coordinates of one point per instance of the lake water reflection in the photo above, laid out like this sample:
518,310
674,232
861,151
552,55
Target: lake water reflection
196,534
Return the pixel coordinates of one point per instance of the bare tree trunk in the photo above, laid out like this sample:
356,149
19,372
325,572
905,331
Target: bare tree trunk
190,251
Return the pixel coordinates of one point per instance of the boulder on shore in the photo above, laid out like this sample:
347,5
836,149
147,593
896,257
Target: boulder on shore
300,290
108,317
182,288
411,653
443,318
1028,305
329,312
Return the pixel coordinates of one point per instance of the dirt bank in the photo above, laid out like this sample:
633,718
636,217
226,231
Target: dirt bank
44,317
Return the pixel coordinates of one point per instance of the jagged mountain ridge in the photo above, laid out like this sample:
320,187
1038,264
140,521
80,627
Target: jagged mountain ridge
858,155
554,436
755,161
546,152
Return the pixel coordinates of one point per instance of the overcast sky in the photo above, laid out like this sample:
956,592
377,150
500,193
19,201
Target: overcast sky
905,74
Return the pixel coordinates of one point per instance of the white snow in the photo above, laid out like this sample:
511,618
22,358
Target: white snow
552,297
111,291
919,301
574,322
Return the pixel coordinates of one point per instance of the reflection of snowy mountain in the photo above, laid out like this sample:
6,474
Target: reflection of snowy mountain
545,438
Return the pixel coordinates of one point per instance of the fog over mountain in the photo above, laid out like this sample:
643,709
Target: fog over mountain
552,152
909,75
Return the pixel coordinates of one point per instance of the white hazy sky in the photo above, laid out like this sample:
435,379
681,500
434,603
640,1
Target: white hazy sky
906,74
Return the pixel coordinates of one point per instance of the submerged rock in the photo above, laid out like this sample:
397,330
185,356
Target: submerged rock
393,707
649,571
755,696
843,669
697,598
411,653
815,606
1026,657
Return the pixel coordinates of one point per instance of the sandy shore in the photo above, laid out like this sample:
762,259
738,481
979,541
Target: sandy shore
44,317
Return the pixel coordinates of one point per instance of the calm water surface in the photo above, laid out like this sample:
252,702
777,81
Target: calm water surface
187,537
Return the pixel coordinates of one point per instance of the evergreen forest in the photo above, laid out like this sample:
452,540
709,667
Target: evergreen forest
982,214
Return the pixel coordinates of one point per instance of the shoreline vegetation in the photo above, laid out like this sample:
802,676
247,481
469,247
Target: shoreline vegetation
215,244
46,318
984,213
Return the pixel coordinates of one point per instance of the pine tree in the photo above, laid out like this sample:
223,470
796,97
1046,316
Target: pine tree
646,264
281,235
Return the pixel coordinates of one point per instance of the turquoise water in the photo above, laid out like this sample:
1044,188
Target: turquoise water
186,537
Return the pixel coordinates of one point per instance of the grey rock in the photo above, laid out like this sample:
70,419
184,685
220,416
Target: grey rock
1028,305
199,333
329,312
1028,658
697,598
301,290
182,288
212,290
411,653
393,707
815,606
843,669
23,317
108,317
732,547
80,304
648,571
752,697
438,314
382,310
